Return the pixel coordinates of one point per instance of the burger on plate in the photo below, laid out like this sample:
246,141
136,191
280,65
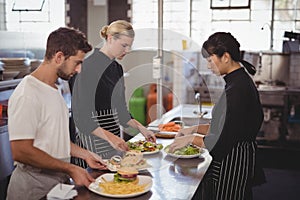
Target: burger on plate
126,175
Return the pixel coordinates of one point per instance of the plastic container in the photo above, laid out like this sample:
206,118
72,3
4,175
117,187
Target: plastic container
151,101
168,101
137,106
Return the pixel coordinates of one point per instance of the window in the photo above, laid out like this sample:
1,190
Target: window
34,15
229,4
250,24
29,5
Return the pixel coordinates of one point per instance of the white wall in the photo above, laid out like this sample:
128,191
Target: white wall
97,17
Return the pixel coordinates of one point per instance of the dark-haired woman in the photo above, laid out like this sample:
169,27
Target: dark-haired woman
236,120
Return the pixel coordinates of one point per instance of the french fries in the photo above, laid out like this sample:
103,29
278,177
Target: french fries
170,127
111,187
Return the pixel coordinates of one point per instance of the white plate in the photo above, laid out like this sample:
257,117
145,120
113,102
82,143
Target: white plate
111,167
94,187
203,153
168,132
151,152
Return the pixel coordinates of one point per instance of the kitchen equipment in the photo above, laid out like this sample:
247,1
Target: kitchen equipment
17,64
1,71
9,75
13,61
6,161
273,67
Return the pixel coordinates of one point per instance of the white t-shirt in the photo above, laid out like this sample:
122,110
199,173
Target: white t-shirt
38,111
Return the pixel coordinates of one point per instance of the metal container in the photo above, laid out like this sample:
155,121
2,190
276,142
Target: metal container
272,67
1,70
272,98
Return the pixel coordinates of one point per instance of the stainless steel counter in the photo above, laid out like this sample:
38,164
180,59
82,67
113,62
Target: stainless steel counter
172,178
187,113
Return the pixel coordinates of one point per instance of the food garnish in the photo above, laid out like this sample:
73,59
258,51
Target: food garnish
144,146
170,127
187,150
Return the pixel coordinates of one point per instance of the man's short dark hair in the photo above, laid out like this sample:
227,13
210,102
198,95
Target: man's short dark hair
67,40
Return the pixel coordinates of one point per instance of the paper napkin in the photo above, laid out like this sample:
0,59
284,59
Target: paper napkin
62,191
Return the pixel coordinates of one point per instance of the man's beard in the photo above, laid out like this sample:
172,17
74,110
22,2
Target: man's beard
61,74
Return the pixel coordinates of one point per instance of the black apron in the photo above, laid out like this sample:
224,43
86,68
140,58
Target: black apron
108,120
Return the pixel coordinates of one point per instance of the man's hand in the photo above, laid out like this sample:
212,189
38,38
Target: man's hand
95,161
80,176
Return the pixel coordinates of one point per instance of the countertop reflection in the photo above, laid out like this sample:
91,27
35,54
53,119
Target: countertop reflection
173,178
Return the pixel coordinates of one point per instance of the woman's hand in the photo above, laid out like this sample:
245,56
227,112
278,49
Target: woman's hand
186,131
149,135
181,142
117,142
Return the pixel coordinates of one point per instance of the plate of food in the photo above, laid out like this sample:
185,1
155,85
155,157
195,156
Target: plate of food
131,158
169,130
125,183
166,134
173,126
189,151
145,147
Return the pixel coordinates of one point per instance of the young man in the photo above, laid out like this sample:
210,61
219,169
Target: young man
38,122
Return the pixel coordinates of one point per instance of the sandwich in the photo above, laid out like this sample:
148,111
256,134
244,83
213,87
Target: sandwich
126,175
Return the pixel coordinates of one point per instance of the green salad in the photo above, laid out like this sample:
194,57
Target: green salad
187,150
144,146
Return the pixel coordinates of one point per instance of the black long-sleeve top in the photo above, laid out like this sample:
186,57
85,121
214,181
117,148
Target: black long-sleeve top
99,86
236,117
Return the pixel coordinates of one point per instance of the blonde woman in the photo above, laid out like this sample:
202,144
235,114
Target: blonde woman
98,100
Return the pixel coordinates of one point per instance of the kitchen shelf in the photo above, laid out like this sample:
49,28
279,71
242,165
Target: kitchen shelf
4,85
